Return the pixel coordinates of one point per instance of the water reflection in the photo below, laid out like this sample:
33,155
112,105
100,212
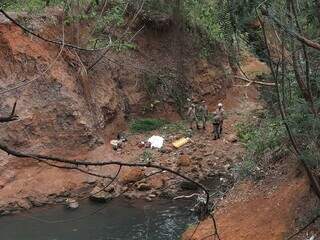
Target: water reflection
118,220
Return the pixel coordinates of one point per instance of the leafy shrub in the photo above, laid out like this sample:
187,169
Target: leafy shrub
146,124
163,86
246,169
306,129
146,156
156,7
114,16
264,140
266,135
28,5
204,16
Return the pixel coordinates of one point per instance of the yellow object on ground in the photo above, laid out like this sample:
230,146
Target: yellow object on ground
180,142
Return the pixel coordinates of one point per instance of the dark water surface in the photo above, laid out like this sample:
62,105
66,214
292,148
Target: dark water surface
119,219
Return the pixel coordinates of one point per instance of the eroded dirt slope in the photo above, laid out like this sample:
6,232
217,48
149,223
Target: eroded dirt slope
68,113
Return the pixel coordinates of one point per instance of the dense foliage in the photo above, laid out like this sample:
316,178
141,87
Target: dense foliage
273,30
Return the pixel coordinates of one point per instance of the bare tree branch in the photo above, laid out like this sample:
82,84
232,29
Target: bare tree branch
46,39
255,82
314,182
292,33
102,163
312,221
120,39
105,187
12,116
25,83
90,214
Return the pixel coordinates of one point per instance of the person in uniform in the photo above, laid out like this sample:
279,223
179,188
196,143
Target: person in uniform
220,113
192,116
202,114
216,126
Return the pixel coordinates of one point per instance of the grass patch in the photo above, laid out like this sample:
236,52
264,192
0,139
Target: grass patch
265,135
30,6
175,128
146,156
247,169
264,140
146,124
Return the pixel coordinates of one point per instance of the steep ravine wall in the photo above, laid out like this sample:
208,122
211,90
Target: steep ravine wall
65,108
68,113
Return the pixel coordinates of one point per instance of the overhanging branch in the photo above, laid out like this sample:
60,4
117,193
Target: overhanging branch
12,116
255,82
292,33
78,163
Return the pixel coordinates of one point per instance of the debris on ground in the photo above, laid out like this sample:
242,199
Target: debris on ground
116,144
156,141
122,137
232,138
180,142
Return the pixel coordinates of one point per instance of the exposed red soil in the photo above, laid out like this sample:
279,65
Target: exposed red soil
55,118
266,212
72,115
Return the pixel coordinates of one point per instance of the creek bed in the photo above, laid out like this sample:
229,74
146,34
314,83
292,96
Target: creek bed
116,220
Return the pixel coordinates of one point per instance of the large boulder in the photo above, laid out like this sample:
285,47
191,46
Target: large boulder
72,203
144,187
184,161
132,175
100,194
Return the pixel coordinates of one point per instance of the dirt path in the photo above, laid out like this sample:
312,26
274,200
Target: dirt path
264,210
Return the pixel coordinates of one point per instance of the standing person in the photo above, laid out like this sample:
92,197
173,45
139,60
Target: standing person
216,125
220,113
192,116
202,113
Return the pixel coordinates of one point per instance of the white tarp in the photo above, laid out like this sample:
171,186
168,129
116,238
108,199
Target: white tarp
156,141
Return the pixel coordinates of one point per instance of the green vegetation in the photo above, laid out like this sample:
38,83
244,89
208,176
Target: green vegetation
264,136
28,5
264,140
146,125
203,15
176,128
248,168
162,86
292,120
146,156
156,7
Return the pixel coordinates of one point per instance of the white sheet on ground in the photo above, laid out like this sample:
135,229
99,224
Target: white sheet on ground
156,141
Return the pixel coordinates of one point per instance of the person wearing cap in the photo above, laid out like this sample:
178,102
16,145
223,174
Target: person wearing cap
220,114
202,114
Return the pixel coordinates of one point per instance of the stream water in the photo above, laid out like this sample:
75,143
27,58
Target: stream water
119,219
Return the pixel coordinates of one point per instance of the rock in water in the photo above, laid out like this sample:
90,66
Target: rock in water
100,195
143,187
72,203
